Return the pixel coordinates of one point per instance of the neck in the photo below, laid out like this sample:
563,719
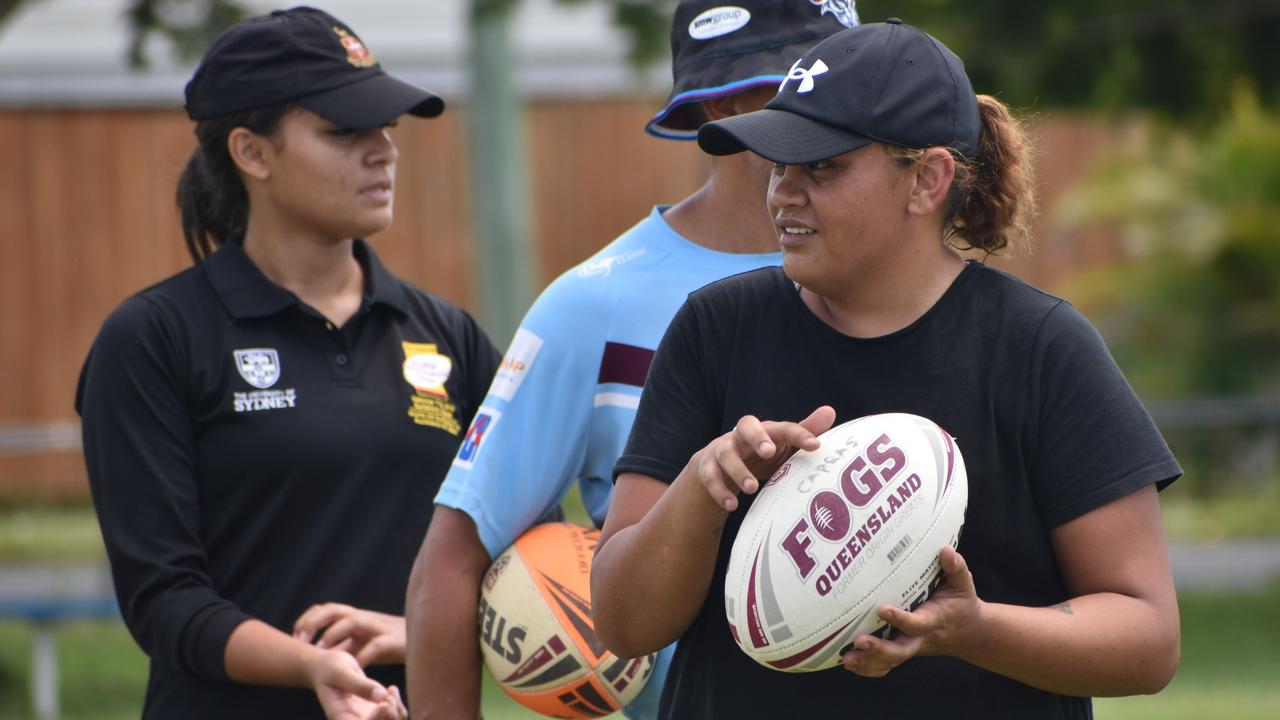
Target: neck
728,212
890,296
324,275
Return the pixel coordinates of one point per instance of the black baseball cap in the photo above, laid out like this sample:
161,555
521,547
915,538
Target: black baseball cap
886,82
307,57
721,47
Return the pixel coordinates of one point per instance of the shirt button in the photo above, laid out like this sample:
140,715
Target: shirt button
341,359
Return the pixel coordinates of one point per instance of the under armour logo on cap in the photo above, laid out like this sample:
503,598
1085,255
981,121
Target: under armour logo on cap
804,76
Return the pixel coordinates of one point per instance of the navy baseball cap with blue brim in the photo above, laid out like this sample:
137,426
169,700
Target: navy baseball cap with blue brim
306,57
726,47
885,82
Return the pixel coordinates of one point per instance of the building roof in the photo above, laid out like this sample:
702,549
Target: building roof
74,52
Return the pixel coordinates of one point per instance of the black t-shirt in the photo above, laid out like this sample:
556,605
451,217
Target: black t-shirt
248,459
1048,427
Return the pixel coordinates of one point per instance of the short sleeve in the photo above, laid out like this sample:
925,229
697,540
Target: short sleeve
526,445
1094,441
678,413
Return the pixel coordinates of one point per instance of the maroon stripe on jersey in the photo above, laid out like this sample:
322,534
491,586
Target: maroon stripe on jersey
626,364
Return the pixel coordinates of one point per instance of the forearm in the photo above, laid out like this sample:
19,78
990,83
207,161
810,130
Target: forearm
1104,644
443,664
258,654
650,578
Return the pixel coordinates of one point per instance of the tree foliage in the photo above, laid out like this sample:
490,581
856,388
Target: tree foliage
192,24
1179,57
1197,310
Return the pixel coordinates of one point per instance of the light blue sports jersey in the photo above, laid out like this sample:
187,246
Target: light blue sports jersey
562,403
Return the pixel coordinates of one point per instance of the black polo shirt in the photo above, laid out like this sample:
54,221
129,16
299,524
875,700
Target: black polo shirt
248,459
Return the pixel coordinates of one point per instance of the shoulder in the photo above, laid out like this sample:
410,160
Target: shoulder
742,290
586,296
167,307
436,312
1028,310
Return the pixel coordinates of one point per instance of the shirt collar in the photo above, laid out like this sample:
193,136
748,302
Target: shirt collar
247,293
381,287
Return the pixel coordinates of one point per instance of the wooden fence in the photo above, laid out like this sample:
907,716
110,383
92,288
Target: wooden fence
87,218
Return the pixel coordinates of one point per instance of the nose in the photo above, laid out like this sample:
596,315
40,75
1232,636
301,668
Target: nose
785,187
381,148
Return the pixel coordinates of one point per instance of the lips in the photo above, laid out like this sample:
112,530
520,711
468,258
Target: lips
378,191
792,232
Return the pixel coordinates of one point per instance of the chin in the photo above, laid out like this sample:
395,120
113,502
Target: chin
373,226
797,269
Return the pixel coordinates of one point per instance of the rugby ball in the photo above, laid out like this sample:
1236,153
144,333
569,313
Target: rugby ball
837,533
536,633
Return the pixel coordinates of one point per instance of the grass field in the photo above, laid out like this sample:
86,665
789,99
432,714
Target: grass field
1230,662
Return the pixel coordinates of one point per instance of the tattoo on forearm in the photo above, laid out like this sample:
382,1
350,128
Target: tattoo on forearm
1064,608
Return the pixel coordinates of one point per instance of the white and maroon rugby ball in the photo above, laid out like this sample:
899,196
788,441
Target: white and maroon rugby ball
838,532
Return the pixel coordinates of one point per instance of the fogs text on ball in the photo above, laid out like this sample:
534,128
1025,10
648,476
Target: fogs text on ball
838,532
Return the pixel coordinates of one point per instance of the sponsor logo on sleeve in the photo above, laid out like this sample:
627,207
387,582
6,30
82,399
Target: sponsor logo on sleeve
260,367
486,419
515,364
718,21
427,371
604,265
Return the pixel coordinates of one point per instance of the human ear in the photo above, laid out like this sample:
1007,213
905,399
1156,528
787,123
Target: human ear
932,174
719,108
250,152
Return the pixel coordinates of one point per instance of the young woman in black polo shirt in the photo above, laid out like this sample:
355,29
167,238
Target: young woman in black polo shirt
884,161
264,432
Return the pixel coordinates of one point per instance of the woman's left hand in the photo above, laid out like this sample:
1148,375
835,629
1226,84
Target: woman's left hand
340,705
374,638
940,626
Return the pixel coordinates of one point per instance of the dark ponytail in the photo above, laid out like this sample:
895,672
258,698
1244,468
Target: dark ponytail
993,198
211,195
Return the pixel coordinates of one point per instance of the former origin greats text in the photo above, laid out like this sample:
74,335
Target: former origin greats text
869,478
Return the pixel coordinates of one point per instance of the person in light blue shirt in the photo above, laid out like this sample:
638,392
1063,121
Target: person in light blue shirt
561,405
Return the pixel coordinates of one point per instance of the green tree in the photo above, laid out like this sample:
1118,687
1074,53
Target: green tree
1196,311
1180,57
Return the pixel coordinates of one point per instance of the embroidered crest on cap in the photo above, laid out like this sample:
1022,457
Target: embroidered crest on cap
357,53
260,367
844,11
718,21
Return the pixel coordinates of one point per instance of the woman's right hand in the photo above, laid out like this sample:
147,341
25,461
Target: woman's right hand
346,693
743,458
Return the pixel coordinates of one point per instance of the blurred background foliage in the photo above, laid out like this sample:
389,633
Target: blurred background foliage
1179,58
1195,309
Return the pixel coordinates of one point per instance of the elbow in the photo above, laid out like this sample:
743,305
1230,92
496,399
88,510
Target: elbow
1160,663
618,626
608,626
1165,665
619,638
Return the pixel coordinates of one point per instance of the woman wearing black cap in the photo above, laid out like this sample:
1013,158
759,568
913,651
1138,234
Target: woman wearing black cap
264,432
885,162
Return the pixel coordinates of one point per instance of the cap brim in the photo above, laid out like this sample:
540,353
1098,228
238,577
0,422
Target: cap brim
372,102
779,136
718,77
